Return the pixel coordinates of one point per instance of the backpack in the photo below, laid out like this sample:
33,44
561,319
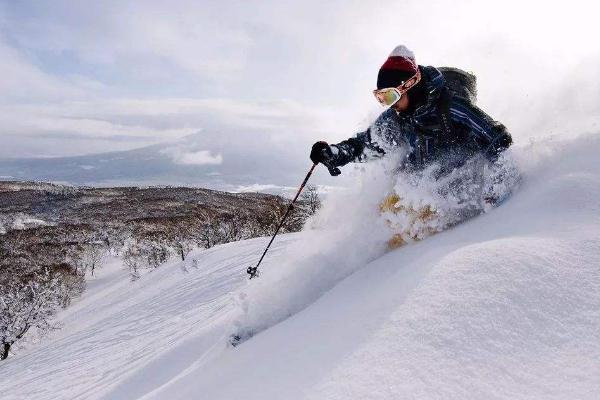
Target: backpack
460,83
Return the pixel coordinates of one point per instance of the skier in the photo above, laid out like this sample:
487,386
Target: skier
433,119
431,115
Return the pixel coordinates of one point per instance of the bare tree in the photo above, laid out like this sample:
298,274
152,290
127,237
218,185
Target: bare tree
133,258
93,257
232,228
180,237
156,253
253,227
71,283
310,197
73,255
210,233
275,215
183,246
148,252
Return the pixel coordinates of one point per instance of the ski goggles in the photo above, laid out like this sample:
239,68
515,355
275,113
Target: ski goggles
390,96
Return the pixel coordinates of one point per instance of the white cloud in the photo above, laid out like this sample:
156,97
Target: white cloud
271,77
76,127
21,81
257,187
265,188
202,157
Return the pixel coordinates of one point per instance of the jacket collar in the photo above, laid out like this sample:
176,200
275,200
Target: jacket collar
434,84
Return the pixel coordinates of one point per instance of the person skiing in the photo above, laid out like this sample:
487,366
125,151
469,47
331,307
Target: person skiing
433,118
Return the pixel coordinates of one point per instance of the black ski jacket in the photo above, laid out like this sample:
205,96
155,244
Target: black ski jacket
443,127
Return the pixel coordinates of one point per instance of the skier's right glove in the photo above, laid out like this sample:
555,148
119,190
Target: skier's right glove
321,153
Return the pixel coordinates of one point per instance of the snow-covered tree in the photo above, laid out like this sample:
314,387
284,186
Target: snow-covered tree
93,257
133,258
310,197
144,253
27,305
209,234
182,246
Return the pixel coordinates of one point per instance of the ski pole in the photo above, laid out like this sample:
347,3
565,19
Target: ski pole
253,271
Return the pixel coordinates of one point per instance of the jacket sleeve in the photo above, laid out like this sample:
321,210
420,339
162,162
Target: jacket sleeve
359,148
352,149
362,147
491,136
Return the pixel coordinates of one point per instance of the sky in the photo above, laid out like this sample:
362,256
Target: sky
267,77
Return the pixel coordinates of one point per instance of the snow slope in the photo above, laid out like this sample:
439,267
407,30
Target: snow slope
505,306
162,323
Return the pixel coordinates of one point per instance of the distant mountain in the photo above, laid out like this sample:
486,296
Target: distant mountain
199,160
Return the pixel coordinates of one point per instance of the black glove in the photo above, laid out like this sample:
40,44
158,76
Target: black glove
320,153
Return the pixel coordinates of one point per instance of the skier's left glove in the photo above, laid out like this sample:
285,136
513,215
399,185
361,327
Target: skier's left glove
321,153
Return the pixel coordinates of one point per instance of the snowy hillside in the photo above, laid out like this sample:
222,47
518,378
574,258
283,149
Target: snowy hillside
111,335
505,306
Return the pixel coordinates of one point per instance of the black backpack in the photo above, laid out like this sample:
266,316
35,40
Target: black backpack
460,83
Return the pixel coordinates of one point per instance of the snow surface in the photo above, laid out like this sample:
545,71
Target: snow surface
504,306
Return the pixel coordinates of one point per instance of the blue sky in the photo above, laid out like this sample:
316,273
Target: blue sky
87,77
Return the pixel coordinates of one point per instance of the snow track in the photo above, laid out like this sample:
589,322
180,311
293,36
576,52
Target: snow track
504,306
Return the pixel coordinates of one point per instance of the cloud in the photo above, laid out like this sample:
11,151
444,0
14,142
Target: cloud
75,127
258,187
202,157
23,81
271,77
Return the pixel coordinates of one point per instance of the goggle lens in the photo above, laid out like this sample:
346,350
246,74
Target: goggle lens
388,96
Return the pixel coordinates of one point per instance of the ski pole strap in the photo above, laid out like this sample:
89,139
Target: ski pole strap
253,271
